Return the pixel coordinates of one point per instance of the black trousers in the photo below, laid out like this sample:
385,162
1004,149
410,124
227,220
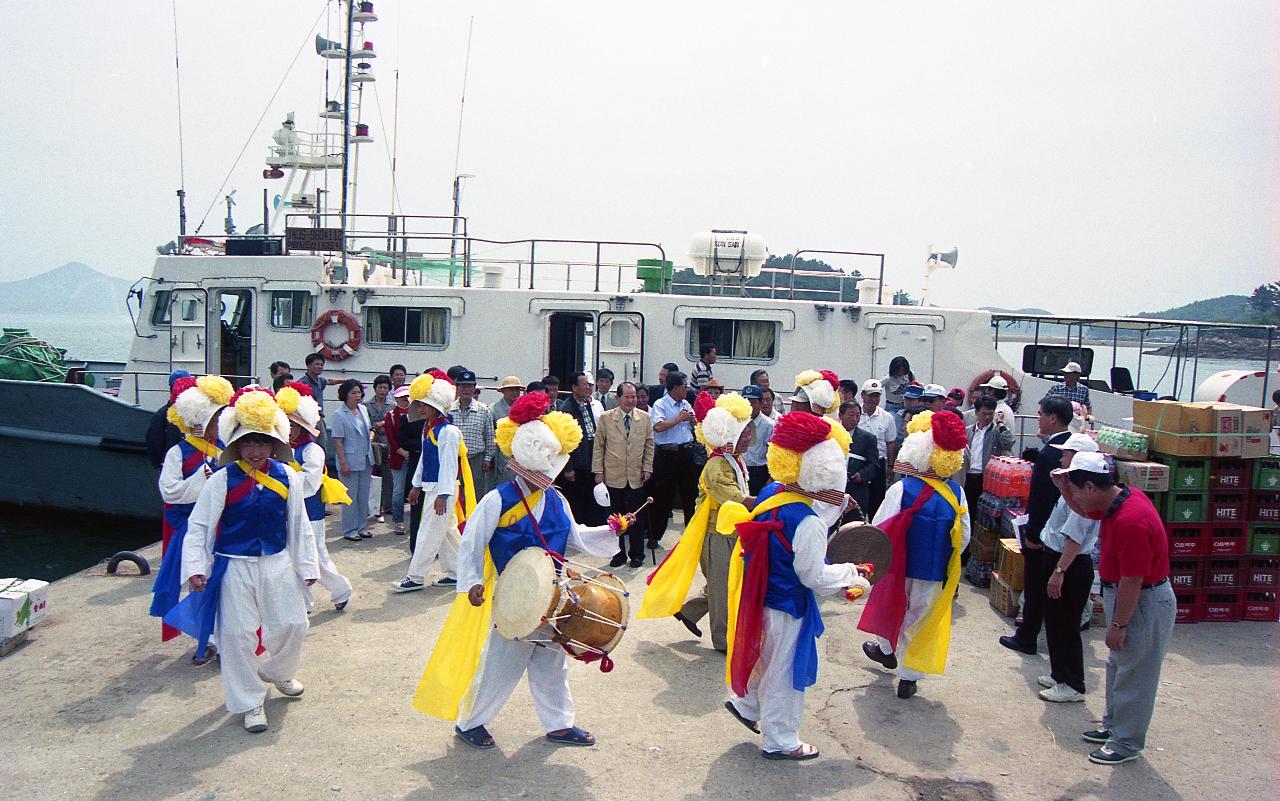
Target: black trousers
1062,619
972,491
623,500
757,477
1033,597
875,491
581,497
415,517
673,471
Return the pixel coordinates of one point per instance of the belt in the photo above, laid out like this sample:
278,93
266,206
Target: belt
1111,585
675,448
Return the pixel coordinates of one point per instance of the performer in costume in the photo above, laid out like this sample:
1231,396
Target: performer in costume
778,566
298,404
249,552
187,465
816,392
925,519
723,428
444,460
473,669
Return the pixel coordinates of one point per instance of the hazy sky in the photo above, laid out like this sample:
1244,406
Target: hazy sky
1093,158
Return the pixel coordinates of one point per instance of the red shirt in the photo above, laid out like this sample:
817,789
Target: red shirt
1133,540
392,429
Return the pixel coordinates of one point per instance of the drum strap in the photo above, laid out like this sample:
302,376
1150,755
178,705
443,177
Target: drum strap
534,520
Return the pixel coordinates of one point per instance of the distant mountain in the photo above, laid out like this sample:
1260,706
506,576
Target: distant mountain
1226,309
1029,310
72,289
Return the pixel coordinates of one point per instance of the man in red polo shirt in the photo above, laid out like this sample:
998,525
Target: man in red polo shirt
1139,602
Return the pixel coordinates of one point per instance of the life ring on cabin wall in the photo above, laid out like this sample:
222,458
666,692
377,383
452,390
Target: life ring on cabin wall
348,346
1015,391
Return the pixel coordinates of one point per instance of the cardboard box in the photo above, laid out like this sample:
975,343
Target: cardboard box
1009,564
23,603
1097,613
1252,424
1004,599
1176,429
1146,476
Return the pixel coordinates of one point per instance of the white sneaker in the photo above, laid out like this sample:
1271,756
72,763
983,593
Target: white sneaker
1061,694
255,720
290,687
1047,682
406,584
445,581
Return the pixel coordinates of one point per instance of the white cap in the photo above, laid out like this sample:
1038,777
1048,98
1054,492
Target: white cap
997,382
1071,367
934,391
1080,443
872,386
1086,461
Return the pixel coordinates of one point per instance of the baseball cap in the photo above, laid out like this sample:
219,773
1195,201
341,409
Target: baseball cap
465,377
1071,367
913,391
997,382
752,392
1085,461
934,391
872,386
401,391
1080,443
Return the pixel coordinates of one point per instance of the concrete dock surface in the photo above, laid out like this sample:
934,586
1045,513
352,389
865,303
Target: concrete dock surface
96,707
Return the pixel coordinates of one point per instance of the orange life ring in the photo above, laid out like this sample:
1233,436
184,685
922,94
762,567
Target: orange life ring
348,347
1014,391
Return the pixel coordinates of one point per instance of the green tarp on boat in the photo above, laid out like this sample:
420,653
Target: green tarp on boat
25,358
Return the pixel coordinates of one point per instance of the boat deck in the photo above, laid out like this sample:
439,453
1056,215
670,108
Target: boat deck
97,708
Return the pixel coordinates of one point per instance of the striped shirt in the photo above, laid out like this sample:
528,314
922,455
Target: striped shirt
1077,394
700,375
476,424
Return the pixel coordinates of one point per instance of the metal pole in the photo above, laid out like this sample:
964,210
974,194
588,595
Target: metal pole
1142,345
340,275
880,288
1266,374
532,243
1115,343
1195,366
182,219
597,266
266,218
457,201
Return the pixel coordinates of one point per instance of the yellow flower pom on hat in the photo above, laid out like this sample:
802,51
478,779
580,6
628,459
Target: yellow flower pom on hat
537,439
254,411
724,422
196,405
808,450
820,387
434,389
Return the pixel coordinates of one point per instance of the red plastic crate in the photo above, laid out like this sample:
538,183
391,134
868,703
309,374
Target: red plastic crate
1230,474
1190,610
1222,606
1260,606
1228,507
1261,574
1226,574
1265,507
1226,539
1185,573
1188,540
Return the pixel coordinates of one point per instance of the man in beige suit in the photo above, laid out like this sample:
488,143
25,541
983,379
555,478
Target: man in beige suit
622,460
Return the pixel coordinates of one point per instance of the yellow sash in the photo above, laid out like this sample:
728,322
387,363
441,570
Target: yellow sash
264,479
331,489
731,514
206,447
456,656
670,584
927,651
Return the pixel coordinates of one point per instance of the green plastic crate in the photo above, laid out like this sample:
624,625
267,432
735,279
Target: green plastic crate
1186,475
1266,475
1264,540
1186,507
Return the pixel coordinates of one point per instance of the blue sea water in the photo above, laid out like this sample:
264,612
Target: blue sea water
83,337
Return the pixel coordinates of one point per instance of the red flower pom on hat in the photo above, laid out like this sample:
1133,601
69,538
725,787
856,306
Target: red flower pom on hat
302,389
529,406
703,404
184,383
797,431
948,432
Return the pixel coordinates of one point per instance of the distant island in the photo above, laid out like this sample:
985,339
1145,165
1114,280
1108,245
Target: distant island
74,289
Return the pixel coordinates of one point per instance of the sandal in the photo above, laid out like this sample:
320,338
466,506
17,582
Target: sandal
478,737
210,651
805,751
573,736
745,721
400,528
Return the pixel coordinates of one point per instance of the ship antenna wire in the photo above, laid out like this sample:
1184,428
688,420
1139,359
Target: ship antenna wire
462,103
182,168
249,140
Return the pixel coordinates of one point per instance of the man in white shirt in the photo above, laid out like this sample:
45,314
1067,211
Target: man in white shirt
673,465
878,422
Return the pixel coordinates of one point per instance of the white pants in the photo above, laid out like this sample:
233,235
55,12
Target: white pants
437,534
258,593
771,698
333,581
501,666
920,595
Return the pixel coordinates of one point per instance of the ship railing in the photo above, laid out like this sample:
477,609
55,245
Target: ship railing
157,383
308,151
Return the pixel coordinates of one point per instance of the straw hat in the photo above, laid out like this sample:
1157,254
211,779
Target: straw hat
197,400
253,410
299,405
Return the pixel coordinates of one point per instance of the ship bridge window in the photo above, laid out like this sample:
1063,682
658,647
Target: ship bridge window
160,308
742,341
291,309
405,326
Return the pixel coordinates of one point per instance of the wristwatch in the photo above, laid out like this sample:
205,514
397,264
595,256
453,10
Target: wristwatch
1058,569
1119,626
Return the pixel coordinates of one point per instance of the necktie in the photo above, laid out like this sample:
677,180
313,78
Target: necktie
626,422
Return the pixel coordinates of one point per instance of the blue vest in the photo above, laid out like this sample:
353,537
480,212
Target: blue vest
431,452
555,523
929,538
785,592
255,524
314,504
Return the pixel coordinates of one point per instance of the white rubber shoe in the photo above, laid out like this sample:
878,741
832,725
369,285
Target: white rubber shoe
290,687
1047,682
1061,694
255,720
